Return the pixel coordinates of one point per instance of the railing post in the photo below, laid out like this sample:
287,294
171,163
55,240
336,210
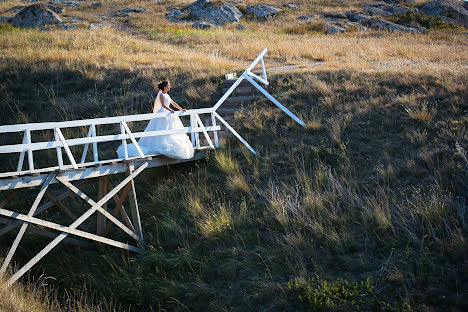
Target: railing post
21,158
124,141
59,150
30,154
95,150
85,150
215,133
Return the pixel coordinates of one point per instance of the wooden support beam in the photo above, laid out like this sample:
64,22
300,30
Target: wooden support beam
132,138
207,137
42,232
67,149
224,122
40,209
134,203
20,234
119,207
215,133
74,225
61,206
100,218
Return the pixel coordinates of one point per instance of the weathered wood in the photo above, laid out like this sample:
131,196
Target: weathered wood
74,225
20,234
21,157
215,133
85,149
61,206
58,149
119,207
68,230
30,152
40,209
100,218
284,109
101,209
16,148
132,138
235,133
67,149
124,141
42,232
134,203
207,137
95,170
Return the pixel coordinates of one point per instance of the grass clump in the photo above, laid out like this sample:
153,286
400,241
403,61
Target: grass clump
316,26
419,19
422,114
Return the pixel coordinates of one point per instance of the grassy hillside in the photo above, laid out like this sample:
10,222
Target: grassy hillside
364,209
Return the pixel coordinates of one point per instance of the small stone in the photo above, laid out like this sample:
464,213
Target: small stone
201,25
5,19
96,4
306,18
334,29
290,6
95,26
240,27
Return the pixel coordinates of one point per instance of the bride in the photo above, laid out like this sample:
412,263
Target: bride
171,145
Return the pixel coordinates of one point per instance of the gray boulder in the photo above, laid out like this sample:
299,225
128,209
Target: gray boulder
381,24
447,10
398,1
262,11
68,3
334,29
290,6
5,19
175,16
133,10
357,17
16,8
306,18
55,8
35,15
201,25
96,4
240,27
384,10
215,12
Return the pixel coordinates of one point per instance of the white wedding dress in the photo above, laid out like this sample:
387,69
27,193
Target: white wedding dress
171,145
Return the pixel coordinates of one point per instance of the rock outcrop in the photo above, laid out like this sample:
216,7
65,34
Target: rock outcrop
262,11
383,9
34,16
447,10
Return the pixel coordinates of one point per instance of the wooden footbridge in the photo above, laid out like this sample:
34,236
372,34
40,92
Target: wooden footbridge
94,165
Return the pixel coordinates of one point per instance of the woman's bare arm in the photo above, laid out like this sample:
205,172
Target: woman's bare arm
178,106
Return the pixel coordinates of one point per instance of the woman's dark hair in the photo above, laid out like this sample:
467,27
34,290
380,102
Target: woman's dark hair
162,84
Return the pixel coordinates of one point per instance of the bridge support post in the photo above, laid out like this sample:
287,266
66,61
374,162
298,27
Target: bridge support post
101,219
132,197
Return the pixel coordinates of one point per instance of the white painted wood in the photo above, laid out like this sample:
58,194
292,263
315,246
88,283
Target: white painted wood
192,133
259,57
85,150
98,121
59,151
215,133
132,138
95,148
16,148
21,157
235,133
207,137
106,168
30,154
100,209
284,109
73,226
259,79
20,234
67,149
124,141
134,203
264,75
42,208
228,92
68,230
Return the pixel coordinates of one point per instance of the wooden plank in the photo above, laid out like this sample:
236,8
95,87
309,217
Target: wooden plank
30,154
35,230
88,173
134,203
235,133
42,208
67,230
207,137
118,207
284,109
95,148
132,138
124,141
259,79
228,93
264,75
67,149
20,234
85,149
215,133
21,157
97,121
17,148
59,151
73,226
100,218
61,206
